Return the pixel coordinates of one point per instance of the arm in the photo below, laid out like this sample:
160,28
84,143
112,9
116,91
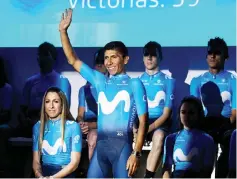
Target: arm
81,104
168,155
75,153
194,88
233,99
25,100
209,157
142,109
36,154
167,111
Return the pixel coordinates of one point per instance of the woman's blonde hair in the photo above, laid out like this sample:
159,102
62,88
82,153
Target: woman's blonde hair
65,114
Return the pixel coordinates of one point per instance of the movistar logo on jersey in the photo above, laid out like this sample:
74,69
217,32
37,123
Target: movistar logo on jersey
108,107
160,95
52,150
179,156
226,96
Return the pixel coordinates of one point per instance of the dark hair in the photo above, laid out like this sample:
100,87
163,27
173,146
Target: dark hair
197,102
218,45
118,46
3,76
99,57
154,49
47,49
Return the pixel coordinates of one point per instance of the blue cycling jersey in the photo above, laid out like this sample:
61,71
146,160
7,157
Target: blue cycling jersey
160,93
53,150
36,86
226,82
232,154
87,98
120,99
189,150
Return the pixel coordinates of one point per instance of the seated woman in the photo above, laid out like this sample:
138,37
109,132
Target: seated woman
190,152
56,138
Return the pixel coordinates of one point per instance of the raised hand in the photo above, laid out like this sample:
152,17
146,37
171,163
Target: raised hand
65,20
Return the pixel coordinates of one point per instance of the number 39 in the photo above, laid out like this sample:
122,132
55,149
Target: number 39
182,2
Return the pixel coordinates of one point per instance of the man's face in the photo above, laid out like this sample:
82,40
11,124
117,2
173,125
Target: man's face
115,62
215,59
150,62
45,62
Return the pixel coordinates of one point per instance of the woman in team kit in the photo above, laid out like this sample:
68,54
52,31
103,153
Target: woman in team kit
56,138
191,152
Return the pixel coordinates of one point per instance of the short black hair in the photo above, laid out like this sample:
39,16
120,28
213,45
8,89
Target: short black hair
46,49
154,49
99,56
218,44
117,45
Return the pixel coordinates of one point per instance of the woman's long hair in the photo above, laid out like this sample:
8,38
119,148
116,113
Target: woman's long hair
65,114
198,105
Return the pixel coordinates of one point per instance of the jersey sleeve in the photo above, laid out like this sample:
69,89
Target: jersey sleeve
210,152
93,76
76,138
233,90
7,98
232,154
35,136
140,98
25,100
194,87
169,93
168,152
66,88
81,97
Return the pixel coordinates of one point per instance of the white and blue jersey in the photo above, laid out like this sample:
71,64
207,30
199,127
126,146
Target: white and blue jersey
55,152
160,93
87,98
120,99
36,86
225,81
189,150
6,97
232,154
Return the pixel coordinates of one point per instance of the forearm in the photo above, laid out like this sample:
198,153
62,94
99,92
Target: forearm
71,167
38,171
92,125
158,122
167,174
142,130
67,48
233,116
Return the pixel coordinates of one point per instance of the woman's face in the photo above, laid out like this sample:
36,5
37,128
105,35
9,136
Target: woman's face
53,105
189,115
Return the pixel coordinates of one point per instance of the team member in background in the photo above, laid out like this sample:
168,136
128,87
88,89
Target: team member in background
87,108
232,156
36,86
191,152
160,94
56,138
217,54
120,99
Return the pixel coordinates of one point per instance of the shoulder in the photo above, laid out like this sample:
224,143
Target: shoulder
206,137
36,126
33,78
135,82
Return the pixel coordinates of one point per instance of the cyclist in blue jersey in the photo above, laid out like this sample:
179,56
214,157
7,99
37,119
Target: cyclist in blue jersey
232,156
36,85
190,152
160,94
217,54
56,138
120,100
87,108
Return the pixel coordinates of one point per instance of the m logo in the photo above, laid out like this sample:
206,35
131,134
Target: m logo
52,150
179,156
157,99
108,107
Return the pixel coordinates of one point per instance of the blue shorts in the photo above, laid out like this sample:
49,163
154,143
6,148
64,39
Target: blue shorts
110,158
51,169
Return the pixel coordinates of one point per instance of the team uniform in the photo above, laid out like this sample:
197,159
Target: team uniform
55,154
225,81
160,94
120,100
190,152
232,155
36,86
6,99
87,98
